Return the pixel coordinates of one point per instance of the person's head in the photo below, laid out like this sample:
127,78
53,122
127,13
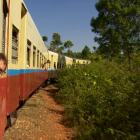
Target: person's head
3,64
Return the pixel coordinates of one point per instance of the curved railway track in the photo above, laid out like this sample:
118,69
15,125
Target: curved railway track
40,118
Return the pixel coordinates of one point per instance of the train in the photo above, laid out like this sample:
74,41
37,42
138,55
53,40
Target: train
30,63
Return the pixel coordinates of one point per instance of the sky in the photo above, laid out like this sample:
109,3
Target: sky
69,18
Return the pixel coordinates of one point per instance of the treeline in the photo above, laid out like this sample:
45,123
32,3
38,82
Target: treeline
56,45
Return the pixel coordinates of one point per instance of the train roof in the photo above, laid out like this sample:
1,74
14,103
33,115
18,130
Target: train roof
67,56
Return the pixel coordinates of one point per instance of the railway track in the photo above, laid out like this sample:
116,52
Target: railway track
40,118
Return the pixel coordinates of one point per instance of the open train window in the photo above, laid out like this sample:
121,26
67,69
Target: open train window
28,52
23,10
42,59
54,65
38,58
34,56
74,60
57,65
5,11
15,33
45,62
63,65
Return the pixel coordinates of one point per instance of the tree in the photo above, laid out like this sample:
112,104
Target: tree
68,44
45,39
70,53
94,48
51,48
117,26
56,40
85,52
60,49
78,54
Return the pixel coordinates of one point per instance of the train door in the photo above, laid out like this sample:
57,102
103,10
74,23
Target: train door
3,79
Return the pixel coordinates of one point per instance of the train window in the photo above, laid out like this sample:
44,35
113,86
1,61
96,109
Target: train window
54,65
42,60
46,65
74,60
45,62
28,52
57,65
38,58
51,61
34,56
23,11
15,32
64,65
3,34
83,62
5,11
60,66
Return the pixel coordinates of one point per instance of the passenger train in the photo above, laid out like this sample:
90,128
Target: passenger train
29,62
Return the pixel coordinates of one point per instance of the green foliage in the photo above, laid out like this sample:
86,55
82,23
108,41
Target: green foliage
45,38
117,26
94,48
60,49
86,52
68,44
102,100
56,40
95,57
78,55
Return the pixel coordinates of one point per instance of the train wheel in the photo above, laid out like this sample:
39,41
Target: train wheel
11,119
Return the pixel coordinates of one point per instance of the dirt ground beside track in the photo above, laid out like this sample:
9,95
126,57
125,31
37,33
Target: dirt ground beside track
40,118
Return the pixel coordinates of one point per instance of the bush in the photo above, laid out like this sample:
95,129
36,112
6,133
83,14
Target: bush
102,100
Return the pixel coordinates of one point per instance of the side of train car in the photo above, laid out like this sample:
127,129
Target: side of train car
58,61
29,62
24,47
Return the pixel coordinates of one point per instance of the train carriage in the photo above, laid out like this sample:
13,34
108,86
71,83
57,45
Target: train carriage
52,65
29,62
82,62
24,47
25,57
31,73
